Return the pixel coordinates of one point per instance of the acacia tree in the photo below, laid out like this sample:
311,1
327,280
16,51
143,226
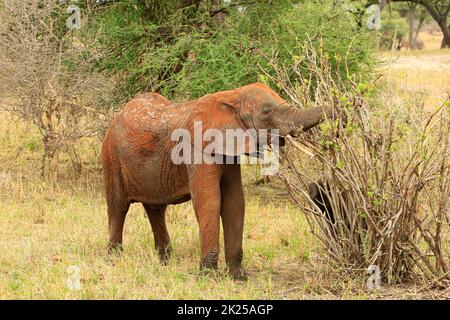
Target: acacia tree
438,9
416,15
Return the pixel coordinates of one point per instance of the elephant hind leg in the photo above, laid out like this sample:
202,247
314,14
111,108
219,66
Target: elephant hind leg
118,205
116,218
157,217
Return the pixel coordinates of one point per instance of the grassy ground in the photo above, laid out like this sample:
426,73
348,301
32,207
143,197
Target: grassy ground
423,76
48,228
420,74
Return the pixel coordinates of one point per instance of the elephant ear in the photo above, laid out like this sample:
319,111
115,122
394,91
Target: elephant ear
224,132
313,190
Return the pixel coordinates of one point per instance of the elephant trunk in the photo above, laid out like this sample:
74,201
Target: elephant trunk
309,118
293,119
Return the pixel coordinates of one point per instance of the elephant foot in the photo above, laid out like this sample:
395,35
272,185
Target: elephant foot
210,260
115,248
237,273
164,255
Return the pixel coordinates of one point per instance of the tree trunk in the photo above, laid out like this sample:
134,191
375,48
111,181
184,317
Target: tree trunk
446,40
412,9
419,27
439,17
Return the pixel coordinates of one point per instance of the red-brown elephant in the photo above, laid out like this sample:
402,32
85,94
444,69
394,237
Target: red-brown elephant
138,167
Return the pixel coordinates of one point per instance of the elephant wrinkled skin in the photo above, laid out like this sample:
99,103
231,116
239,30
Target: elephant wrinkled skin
137,164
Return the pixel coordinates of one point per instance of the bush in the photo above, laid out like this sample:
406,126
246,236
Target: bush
45,78
385,175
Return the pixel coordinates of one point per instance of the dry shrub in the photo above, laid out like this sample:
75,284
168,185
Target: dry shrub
386,174
45,77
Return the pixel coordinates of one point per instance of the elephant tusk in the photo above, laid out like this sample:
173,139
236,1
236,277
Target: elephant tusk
297,145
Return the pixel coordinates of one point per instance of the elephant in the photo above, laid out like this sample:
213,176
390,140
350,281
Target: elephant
319,192
138,165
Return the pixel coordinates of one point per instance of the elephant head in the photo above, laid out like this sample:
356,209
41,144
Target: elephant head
256,106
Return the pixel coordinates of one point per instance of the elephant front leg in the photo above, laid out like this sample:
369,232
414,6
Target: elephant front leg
205,194
232,213
156,216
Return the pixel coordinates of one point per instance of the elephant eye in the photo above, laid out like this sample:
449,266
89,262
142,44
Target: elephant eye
266,110
229,107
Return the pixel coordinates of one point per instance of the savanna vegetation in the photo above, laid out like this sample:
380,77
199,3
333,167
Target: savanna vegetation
66,68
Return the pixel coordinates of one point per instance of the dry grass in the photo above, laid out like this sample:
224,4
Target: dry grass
420,73
426,76
431,40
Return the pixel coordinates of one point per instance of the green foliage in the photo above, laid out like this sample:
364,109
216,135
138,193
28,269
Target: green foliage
393,27
186,52
333,30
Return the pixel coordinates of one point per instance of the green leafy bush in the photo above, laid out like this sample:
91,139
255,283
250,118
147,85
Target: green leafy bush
187,52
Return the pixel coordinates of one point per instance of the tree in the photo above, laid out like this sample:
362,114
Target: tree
44,77
185,49
438,9
416,15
